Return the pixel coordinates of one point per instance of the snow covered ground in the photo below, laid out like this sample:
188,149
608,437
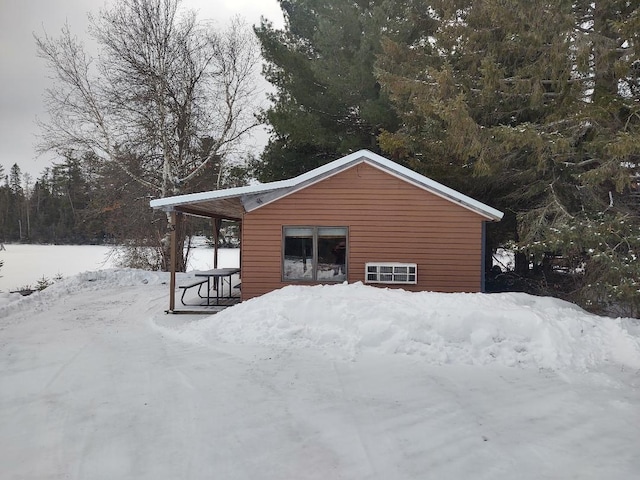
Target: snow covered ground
326,382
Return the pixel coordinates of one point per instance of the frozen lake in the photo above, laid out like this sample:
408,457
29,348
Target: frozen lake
24,265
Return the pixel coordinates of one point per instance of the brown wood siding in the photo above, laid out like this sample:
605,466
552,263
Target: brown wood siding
389,220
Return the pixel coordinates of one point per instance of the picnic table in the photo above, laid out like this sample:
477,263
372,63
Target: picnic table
216,278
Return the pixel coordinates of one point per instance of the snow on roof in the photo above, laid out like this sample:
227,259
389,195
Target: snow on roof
284,187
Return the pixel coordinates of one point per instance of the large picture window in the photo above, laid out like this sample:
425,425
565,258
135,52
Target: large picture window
314,254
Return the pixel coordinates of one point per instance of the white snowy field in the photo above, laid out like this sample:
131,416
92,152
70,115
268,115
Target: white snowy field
24,264
340,381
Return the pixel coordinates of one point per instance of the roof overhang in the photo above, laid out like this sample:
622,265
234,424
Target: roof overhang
228,203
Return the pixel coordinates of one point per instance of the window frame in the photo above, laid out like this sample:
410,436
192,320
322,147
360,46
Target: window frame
314,261
395,272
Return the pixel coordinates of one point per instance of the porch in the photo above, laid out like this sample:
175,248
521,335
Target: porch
218,205
202,291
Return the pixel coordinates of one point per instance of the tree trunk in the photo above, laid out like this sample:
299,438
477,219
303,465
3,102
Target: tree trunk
521,264
165,244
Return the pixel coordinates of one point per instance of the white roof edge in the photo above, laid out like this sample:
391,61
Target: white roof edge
218,194
373,159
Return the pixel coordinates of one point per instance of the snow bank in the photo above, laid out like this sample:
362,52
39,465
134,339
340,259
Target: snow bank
86,281
510,329
113,277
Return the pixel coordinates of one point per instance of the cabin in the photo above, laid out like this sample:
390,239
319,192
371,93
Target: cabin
361,218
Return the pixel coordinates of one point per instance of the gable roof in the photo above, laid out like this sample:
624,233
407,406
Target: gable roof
233,202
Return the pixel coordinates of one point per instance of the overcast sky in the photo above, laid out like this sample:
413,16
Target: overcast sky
23,77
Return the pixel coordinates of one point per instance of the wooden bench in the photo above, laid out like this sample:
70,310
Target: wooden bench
196,283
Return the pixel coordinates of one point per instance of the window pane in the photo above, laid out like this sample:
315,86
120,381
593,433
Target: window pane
298,254
332,254
298,232
332,232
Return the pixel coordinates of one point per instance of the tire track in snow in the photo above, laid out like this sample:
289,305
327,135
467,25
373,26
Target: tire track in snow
363,442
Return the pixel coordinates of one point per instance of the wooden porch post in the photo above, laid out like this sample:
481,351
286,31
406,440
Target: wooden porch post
217,223
174,261
240,254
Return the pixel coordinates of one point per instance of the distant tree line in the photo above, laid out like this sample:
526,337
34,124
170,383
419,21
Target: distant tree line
83,201
61,206
49,209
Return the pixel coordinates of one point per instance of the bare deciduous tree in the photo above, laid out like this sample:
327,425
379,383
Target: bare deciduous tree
172,92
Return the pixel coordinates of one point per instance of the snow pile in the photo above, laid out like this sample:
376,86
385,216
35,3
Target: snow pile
86,281
113,277
510,329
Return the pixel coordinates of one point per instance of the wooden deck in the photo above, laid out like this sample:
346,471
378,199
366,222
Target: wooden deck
205,309
196,305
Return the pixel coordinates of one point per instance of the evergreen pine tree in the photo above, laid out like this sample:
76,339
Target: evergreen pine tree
328,101
533,107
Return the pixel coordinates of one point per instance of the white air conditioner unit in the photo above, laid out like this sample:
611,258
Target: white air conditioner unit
391,272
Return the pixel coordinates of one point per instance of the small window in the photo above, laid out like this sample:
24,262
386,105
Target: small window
391,273
314,254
